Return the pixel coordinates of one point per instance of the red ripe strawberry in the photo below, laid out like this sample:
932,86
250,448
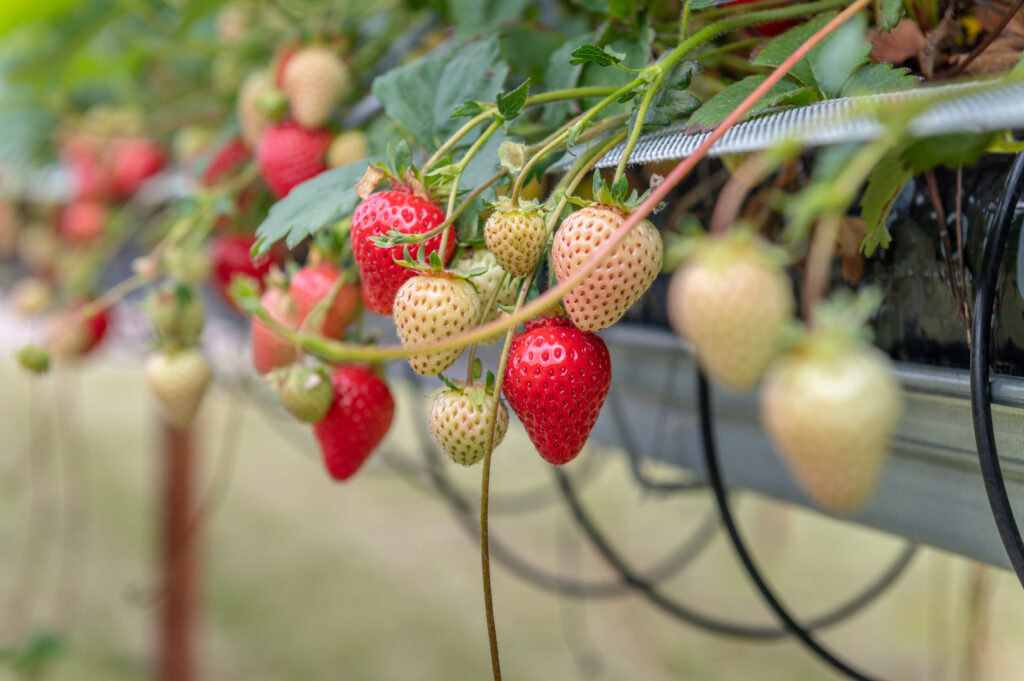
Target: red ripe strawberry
83,221
134,160
311,284
379,213
230,256
75,337
289,154
83,155
768,28
89,178
609,291
228,159
269,350
556,381
357,421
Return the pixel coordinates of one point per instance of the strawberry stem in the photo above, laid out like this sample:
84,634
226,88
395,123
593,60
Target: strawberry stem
819,259
485,488
641,116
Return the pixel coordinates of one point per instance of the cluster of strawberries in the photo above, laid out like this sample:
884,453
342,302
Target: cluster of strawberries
105,169
558,370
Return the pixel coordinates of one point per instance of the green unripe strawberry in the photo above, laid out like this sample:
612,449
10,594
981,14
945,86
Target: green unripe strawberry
306,393
34,358
460,420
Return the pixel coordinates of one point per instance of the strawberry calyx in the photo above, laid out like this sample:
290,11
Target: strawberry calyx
740,242
480,395
615,196
555,316
397,173
838,324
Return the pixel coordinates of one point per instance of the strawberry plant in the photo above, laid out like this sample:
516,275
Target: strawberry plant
460,190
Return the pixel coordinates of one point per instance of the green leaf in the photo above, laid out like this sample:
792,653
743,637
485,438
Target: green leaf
528,49
14,13
405,93
889,14
676,104
562,75
884,184
620,9
478,368
682,75
468,109
27,138
874,78
716,109
422,95
592,54
484,16
636,50
948,150
312,206
778,49
509,105
840,54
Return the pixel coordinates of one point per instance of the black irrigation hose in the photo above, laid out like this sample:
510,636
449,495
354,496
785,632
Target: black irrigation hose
668,567
628,442
698,619
798,630
981,388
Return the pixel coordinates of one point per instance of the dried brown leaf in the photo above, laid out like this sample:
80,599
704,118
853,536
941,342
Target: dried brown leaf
903,43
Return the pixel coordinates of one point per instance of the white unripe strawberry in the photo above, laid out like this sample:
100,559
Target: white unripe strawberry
460,420
249,106
314,80
178,379
733,301
516,237
830,407
431,308
489,280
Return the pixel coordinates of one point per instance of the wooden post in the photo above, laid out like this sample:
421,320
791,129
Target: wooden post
175,655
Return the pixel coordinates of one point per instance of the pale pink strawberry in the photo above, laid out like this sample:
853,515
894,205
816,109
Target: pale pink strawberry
609,291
